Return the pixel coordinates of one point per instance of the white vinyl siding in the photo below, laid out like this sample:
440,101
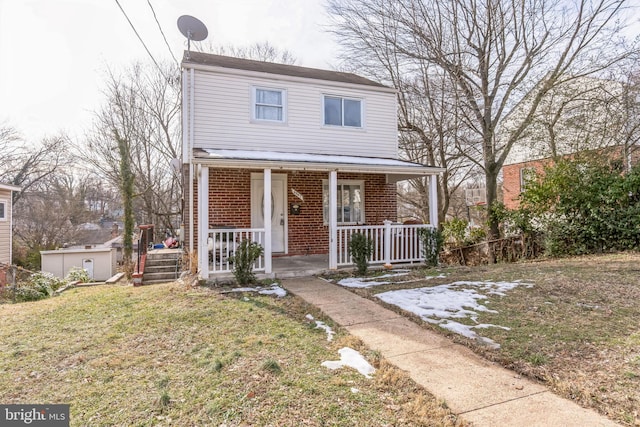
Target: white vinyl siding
223,119
350,201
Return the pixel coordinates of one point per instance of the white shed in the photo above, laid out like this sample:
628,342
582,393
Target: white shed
99,262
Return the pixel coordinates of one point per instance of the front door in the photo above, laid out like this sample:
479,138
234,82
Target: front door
278,208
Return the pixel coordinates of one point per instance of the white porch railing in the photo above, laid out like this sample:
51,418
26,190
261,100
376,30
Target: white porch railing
391,242
222,244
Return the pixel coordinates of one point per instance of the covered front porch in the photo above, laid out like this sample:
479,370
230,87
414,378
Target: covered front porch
331,190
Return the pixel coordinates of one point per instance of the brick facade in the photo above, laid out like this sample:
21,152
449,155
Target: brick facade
511,181
230,204
511,174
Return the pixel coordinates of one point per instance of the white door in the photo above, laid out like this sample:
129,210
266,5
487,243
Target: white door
87,264
278,208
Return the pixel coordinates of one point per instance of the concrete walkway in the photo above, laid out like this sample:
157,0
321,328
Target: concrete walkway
479,391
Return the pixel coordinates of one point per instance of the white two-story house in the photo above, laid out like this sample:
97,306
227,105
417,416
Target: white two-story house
323,146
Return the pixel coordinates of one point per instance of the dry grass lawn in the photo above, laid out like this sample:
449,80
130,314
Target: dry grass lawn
173,355
576,330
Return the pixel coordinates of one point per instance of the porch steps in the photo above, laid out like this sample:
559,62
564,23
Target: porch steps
162,266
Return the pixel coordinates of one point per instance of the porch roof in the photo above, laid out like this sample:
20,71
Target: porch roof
397,170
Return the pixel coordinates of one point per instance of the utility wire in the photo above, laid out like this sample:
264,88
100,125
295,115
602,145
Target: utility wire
140,38
162,32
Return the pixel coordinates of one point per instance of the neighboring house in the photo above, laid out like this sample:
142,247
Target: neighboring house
322,144
6,222
584,114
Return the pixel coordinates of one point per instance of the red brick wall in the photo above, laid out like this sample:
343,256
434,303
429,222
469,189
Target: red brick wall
230,204
511,181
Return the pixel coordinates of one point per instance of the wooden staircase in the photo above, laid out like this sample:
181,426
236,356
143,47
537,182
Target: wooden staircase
161,266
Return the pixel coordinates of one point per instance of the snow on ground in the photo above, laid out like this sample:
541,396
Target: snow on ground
322,325
361,282
457,300
273,290
350,357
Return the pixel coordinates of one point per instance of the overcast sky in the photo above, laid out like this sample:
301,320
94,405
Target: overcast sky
53,53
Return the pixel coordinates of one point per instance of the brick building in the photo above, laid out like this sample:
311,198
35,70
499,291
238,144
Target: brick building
322,144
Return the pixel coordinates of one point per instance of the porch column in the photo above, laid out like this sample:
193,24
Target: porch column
267,221
433,200
333,220
203,220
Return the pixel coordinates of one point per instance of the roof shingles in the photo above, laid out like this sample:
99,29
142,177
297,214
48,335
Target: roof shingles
273,68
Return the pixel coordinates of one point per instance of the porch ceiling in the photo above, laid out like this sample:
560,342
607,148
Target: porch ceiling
397,170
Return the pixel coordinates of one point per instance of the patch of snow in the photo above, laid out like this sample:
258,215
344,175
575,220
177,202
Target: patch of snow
362,282
350,357
273,290
354,390
440,276
357,282
457,300
322,325
327,328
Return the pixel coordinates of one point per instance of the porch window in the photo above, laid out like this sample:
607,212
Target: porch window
350,196
342,112
3,210
269,104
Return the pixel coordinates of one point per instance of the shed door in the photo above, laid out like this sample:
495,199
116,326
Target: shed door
87,264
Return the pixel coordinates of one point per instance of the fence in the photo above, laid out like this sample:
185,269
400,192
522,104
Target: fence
222,244
392,243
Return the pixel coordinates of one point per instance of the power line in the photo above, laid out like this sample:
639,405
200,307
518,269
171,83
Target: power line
140,38
162,32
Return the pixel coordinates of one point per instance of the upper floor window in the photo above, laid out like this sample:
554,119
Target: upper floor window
3,210
269,104
342,111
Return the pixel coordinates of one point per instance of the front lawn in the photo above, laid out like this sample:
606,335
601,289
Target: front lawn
173,355
572,323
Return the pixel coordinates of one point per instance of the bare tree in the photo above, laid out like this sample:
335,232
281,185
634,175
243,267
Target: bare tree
495,52
28,165
142,111
260,51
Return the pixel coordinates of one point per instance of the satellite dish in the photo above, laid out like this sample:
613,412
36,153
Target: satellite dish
193,29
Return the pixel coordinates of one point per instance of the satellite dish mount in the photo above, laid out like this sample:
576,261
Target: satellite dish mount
193,29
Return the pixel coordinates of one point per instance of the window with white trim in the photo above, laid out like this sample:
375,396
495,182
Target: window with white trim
527,175
3,210
269,104
338,111
350,201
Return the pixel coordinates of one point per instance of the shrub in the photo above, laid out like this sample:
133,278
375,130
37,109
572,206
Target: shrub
476,235
77,274
40,285
584,205
361,249
432,241
454,231
246,255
